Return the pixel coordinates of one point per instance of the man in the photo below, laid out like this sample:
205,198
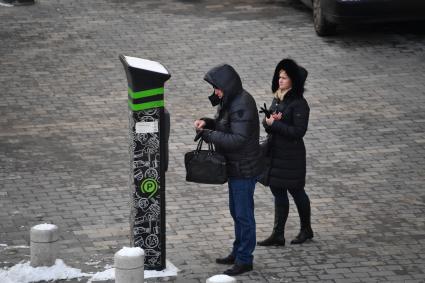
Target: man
235,133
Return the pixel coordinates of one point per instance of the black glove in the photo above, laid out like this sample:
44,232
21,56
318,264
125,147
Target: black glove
204,134
265,111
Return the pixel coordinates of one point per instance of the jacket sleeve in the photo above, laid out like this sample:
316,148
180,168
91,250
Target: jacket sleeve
209,123
242,120
298,128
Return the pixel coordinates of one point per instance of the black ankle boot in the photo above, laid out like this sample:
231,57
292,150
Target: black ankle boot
277,238
305,234
274,239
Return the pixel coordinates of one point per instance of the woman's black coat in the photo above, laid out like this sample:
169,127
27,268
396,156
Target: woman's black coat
286,144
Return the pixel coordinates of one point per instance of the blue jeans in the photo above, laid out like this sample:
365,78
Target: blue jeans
241,204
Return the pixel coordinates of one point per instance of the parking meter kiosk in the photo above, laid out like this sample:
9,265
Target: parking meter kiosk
148,130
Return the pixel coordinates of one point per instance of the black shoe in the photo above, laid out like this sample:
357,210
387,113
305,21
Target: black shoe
24,2
230,259
273,240
18,2
238,269
304,235
7,2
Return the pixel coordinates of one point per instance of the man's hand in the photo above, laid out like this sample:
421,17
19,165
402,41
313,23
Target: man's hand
199,124
204,134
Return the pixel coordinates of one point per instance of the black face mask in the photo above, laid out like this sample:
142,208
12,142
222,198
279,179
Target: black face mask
214,99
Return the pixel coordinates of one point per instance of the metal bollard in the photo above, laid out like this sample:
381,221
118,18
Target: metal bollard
43,248
128,264
222,278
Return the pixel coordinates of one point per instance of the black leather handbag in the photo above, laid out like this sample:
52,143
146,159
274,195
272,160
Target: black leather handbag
205,166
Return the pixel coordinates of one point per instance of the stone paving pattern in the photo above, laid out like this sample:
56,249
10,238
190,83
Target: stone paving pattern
64,144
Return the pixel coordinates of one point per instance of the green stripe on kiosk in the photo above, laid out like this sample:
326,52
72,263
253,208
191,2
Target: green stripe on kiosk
149,124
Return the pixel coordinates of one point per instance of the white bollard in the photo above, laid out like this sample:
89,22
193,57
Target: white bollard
222,278
129,265
43,248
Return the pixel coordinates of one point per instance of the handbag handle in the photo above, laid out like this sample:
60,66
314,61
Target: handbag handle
210,146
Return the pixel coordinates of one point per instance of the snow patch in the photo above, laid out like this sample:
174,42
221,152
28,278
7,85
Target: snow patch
169,271
146,64
131,252
222,278
45,227
25,273
6,247
108,274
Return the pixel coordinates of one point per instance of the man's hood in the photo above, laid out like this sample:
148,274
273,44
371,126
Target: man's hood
224,77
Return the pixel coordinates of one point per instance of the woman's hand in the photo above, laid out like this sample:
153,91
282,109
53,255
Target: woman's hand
199,124
275,116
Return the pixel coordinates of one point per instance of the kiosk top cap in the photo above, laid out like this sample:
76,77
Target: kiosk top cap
145,64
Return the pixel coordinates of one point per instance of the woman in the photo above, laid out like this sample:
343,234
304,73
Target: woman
286,127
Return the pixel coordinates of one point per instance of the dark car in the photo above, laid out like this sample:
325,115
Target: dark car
327,14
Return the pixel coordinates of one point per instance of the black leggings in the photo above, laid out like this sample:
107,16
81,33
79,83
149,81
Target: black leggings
300,198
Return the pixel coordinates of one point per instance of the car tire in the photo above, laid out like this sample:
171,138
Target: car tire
322,26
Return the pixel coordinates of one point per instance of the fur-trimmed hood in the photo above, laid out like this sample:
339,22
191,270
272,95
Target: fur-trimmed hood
296,73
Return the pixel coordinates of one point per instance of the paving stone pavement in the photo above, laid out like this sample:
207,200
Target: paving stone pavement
63,134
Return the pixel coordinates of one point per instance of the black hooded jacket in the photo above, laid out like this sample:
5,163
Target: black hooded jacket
287,149
235,127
